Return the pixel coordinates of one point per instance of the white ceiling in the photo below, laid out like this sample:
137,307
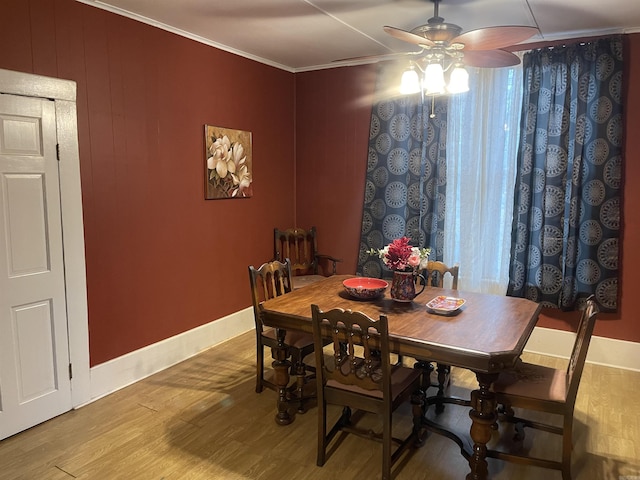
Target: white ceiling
300,35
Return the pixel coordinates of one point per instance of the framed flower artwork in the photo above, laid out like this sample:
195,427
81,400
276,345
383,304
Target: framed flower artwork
228,163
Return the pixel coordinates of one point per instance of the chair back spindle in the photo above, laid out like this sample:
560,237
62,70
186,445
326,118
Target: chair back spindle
358,350
299,246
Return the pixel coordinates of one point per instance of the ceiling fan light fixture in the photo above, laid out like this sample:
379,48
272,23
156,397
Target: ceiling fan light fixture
445,49
458,80
433,82
410,82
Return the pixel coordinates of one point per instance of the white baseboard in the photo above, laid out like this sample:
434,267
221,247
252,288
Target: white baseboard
120,372
602,351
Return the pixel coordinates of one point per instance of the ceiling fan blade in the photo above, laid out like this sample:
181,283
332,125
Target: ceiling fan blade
490,58
407,36
495,37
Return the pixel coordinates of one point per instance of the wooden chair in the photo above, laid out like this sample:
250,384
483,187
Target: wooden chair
549,390
434,275
358,375
273,279
301,247
436,271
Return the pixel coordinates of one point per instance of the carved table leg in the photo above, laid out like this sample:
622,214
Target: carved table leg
443,372
427,369
281,378
483,415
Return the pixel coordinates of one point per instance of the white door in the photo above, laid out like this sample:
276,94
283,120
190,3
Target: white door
34,355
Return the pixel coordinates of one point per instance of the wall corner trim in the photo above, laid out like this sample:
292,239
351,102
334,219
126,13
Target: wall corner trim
604,351
120,372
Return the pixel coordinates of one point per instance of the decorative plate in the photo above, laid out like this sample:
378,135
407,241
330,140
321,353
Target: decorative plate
445,305
365,288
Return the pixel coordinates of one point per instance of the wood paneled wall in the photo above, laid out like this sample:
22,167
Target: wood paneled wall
160,259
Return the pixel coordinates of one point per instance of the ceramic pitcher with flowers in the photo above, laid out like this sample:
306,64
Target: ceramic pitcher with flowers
404,260
403,286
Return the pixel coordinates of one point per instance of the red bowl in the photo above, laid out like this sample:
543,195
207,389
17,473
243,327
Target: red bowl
364,287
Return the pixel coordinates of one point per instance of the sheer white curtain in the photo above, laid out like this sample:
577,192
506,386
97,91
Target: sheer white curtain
482,143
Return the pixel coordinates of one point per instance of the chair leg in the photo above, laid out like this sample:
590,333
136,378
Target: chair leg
386,447
417,409
259,368
300,373
345,419
567,445
510,417
322,433
444,376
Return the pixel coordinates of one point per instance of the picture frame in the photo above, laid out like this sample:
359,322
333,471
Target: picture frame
228,163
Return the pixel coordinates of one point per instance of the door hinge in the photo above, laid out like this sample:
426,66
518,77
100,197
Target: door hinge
70,371
58,151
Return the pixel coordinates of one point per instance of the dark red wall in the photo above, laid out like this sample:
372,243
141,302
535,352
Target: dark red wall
332,136
160,259
333,110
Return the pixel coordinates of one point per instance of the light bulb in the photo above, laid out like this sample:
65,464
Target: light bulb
459,80
433,82
410,82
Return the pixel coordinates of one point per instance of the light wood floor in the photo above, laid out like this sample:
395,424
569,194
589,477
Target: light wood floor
201,419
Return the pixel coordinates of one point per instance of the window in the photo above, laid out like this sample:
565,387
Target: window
482,145
450,179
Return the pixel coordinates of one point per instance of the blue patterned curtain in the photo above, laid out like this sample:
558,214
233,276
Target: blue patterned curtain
568,186
406,177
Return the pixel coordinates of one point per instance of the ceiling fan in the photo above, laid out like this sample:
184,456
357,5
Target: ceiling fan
481,47
444,47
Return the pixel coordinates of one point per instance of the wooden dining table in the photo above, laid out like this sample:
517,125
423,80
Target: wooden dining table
486,335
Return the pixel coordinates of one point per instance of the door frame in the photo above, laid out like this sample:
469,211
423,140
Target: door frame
63,93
